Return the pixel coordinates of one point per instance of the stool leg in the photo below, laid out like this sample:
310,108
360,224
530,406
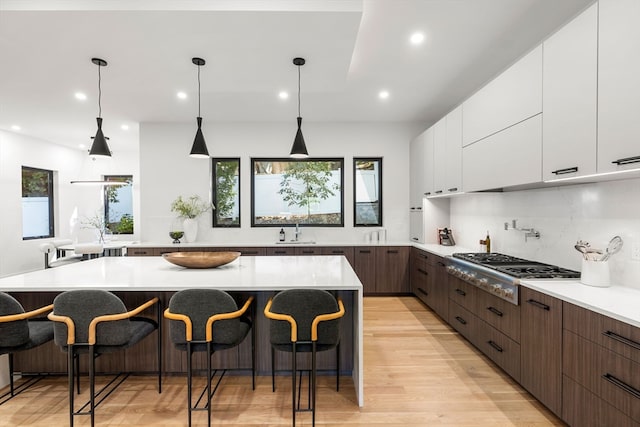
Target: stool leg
70,373
338,367
293,382
11,373
92,383
189,354
313,384
209,383
273,369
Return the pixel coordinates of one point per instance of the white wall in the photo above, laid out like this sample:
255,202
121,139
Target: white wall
71,202
593,212
167,171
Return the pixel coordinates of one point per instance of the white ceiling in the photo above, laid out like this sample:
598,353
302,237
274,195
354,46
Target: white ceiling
353,50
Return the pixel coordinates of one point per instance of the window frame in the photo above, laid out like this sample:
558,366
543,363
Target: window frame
106,200
214,194
253,161
50,188
355,172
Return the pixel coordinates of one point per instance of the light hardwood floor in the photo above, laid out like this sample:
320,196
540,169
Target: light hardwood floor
418,372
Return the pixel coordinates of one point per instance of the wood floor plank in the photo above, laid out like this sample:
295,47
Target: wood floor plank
418,372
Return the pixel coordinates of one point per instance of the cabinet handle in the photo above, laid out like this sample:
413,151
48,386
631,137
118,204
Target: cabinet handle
423,272
428,193
392,251
461,292
495,311
419,208
441,264
627,160
495,346
139,252
538,304
308,252
415,238
621,384
622,339
365,252
423,291
165,252
337,252
565,171
249,252
412,208
453,189
461,320
439,192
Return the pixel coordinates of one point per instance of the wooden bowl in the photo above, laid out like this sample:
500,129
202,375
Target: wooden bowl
200,259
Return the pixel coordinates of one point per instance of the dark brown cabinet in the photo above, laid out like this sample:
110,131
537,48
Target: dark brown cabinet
420,277
280,251
440,286
541,347
392,270
364,264
346,251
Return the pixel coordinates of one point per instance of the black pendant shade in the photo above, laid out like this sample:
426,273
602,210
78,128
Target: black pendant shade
199,148
299,148
99,146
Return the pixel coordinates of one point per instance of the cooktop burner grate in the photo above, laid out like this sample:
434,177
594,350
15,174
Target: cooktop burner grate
518,267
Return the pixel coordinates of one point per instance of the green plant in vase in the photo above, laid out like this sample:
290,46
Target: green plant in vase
189,210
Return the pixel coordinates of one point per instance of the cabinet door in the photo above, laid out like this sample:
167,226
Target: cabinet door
500,314
364,264
429,164
541,347
439,156
508,158
420,278
570,82
280,251
347,251
440,287
453,152
416,226
510,98
307,250
618,84
392,268
417,163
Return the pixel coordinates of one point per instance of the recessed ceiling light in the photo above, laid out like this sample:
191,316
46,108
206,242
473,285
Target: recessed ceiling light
124,127
181,95
82,146
383,94
15,127
81,96
283,95
416,38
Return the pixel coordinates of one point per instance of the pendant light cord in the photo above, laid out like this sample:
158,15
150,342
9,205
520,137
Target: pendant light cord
198,90
99,92
299,91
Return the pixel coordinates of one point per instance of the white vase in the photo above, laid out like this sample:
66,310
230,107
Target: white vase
190,229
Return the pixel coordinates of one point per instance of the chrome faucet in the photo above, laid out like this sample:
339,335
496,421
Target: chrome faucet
297,232
528,232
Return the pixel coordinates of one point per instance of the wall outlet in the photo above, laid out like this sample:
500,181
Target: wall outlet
635,251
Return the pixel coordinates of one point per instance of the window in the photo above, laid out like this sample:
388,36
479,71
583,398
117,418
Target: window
226,192
305,192
118,204
37,203
367,194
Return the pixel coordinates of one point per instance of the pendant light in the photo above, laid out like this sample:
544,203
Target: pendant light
299,148
199,148
99,146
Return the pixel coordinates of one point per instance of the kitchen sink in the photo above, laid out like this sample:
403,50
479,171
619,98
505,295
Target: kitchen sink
297,242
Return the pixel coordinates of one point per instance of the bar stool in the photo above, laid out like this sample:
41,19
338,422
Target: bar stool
208,320
20,331
96,322
304,320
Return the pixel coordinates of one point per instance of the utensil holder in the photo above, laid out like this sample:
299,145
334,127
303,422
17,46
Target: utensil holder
595,273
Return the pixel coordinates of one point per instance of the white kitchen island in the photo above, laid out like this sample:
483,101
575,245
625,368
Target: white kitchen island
247,274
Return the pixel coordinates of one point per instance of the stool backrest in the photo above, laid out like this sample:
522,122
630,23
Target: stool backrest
83,306
14,333
304,305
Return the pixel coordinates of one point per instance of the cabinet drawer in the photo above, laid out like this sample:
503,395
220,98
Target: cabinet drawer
280,251
250,251
421,255
308,251
463,321
582,408
501,349
139,252
612,334
612,377
500,314
462,293
346,251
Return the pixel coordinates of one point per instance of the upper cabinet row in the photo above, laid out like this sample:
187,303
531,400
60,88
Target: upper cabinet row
566,109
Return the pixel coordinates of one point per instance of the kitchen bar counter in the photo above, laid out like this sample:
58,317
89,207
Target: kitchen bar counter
618,302
250,274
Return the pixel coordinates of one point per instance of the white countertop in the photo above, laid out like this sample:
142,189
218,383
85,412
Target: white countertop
273,244
439,249
618,302
156,274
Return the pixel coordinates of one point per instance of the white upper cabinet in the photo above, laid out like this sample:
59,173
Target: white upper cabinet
453,152
618,85
439,156
570,84
510,98
417,176
429,165
508,158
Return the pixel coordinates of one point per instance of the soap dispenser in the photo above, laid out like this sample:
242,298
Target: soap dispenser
282,235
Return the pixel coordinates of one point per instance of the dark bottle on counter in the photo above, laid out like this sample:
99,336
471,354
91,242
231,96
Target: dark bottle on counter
487,242
282,234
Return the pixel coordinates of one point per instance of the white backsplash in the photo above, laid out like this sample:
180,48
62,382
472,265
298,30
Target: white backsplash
593,212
